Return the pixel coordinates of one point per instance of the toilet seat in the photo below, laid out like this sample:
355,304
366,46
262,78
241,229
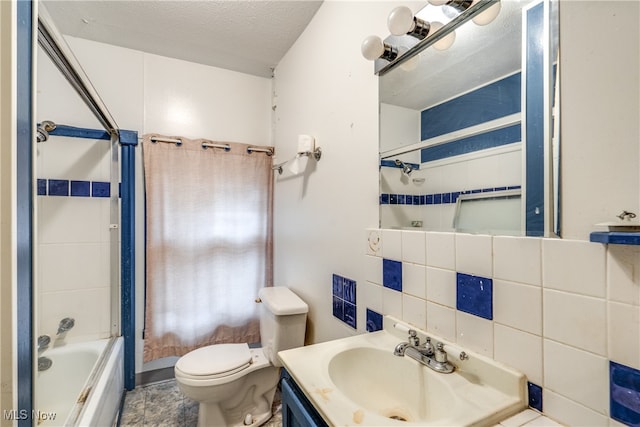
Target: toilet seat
214,361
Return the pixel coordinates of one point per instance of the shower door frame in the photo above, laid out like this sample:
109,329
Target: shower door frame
29,21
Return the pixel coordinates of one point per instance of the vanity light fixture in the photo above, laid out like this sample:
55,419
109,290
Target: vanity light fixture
484,18
402,21
373,48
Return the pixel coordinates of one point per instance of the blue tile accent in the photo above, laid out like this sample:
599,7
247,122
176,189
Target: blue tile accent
349,290
474,295
344,299
401,199
100,189
384,199
81,188
42,187
535,396
437,199
495,100
392,274
624,394
393,199
429,199
482,141
350,314
338,308
374,321
58,187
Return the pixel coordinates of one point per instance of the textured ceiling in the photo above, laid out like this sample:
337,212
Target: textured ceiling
249,36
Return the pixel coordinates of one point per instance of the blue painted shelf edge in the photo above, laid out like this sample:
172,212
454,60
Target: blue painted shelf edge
615,237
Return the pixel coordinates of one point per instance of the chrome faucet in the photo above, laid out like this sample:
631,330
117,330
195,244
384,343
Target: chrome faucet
43,342
428,355
65,324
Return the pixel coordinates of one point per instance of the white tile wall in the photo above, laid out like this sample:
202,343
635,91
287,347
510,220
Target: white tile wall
414,280
517,259
474,255
441,286
441,250
578,375
574,266
562,309
413,247
576,320
392,244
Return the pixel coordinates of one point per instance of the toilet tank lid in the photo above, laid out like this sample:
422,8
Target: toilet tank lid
281,301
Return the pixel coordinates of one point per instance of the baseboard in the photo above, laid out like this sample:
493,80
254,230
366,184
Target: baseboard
157,375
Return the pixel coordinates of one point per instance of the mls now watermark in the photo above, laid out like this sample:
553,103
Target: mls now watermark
23,414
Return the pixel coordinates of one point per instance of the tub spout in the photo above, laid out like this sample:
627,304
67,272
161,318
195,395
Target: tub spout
65,324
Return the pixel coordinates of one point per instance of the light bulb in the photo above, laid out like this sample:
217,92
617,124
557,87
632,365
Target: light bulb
488,15
445,42
400,21
438,2
372,48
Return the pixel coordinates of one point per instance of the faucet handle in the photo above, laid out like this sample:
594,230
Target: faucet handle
440,354
413,338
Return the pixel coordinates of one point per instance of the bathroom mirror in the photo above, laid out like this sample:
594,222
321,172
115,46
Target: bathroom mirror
469,135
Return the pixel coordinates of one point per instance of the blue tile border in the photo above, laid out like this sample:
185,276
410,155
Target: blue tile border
624,394
80,188
42,187
474,295
74,188
535,396
437,198
58,187
343,291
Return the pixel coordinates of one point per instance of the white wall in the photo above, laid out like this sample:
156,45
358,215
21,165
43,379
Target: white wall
148,93
324,87
600,113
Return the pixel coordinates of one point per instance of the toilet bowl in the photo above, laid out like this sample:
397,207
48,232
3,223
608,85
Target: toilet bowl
234,384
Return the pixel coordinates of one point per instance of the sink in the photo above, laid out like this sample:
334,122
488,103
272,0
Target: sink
395,387
359,381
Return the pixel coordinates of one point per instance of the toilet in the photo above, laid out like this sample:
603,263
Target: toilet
234,384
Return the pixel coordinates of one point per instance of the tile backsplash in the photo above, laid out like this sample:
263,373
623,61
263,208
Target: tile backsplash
566,313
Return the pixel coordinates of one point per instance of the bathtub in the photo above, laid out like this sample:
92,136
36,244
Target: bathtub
83,386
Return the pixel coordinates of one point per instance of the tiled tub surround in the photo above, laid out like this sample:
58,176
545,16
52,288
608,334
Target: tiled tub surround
564,312
74,235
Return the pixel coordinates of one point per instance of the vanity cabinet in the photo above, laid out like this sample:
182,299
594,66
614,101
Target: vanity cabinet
297,411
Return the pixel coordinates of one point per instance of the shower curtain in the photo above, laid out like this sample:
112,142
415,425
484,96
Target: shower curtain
208,244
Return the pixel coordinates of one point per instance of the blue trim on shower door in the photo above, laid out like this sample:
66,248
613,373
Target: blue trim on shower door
128,256
74,132
534,122
24,212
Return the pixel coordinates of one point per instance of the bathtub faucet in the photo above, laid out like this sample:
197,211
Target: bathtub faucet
65,324
43,342
426,354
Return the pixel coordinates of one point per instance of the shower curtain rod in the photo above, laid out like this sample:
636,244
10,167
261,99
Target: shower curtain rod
225,147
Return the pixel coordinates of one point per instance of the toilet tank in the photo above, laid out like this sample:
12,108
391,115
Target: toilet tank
283,319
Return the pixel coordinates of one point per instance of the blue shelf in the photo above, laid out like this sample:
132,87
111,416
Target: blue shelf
616,237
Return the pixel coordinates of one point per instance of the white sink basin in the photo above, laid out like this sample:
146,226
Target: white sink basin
359,381
391,386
